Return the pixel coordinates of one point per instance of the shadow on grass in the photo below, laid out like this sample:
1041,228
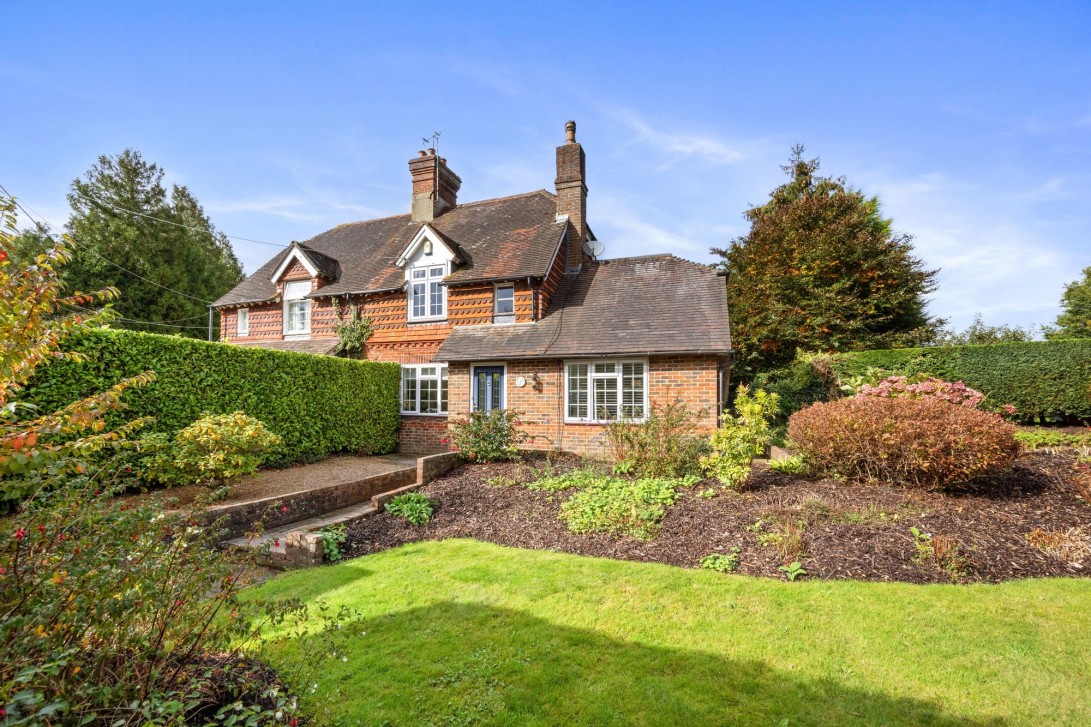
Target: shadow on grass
455,663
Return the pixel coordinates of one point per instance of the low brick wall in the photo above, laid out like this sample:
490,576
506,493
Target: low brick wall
301,505
432,466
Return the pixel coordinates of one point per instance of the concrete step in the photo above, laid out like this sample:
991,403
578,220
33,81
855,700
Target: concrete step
276,537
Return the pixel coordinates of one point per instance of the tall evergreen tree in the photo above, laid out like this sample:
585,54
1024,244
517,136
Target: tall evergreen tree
1075,318
822,270
160,250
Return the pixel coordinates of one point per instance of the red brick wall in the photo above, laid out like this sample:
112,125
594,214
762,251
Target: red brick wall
692,380
422,434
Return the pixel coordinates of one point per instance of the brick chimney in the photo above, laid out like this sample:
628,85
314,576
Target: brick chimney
571,186
435,186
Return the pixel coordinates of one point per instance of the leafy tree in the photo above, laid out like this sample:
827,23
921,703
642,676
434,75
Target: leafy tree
1075,318
822,270
979,332
160,248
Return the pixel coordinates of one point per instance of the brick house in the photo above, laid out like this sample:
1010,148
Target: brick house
499,303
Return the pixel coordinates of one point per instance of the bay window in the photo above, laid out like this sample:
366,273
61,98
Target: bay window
424,388
427,294
297,308
605,391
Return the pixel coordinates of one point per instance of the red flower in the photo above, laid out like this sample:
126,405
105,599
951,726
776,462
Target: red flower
518,423
295,722
20,534
276,542
41,529
284,508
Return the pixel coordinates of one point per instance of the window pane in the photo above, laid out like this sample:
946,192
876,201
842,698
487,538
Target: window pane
605,368
418,300
296,289
577,391
443,392
244,320
632,390
409,389
436,305
429,396
505,300
298,313
435,272
419,274
605,399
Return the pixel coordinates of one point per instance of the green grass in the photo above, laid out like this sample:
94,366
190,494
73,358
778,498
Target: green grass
463,632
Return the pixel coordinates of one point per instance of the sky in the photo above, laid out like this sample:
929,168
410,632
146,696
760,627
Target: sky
970,122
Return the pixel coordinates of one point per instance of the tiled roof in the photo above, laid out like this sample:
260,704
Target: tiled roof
320,346
506,238
657,304
327,266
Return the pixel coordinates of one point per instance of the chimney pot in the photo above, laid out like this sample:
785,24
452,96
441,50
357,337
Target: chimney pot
570,132
431,152
422,153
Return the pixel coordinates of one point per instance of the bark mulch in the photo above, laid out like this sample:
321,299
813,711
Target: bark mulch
849,531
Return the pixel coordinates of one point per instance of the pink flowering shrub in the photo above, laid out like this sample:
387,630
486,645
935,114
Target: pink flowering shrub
901,387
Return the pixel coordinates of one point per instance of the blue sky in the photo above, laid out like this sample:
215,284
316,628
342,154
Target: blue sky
971,122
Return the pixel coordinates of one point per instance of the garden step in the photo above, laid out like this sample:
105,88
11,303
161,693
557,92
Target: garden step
277,536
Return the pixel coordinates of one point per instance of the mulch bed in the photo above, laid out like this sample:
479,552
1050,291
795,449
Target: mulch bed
856,532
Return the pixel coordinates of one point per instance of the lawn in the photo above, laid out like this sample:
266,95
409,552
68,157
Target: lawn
465,632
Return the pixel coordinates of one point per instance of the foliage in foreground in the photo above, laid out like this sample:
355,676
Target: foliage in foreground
923,443
492,436
414,507
741,437
1039,438
665,444
622,506
113,612
318,405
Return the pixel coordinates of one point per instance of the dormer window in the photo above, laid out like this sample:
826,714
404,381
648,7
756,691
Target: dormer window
427,294
297,308
503,307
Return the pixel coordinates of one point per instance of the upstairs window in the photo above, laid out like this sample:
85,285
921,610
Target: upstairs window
427,294
242,327
424,389
503,310
606,391
297,309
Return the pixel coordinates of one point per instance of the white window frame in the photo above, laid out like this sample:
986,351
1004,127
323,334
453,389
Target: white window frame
430,277
509,318
441,376
242,322
296,298
591,376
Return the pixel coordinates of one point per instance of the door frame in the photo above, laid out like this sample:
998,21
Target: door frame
473,381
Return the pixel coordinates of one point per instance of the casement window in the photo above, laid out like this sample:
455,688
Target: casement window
427,294
503,307
297,309
605,391
242,322
424,388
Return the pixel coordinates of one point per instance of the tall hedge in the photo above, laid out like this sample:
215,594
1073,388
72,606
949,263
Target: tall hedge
317,404
1048,381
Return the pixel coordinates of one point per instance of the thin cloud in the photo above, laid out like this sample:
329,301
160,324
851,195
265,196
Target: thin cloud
677,145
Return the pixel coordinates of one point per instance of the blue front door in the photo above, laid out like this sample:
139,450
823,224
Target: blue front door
488,388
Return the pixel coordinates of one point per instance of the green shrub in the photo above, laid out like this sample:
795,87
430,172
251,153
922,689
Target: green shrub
316,404
794,465
1043,380
801,383
333,537
576,479
1046,438
492,436
628,507
721,563
925,443
666,444
741,437
414,507
211,451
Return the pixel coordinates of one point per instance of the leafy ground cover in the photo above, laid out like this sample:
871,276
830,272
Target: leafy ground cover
990,531
464,632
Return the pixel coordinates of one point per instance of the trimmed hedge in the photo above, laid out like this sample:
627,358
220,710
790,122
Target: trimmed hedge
317,404
1047,381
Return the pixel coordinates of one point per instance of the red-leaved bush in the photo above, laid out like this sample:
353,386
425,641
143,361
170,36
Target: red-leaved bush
926,443
901,387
